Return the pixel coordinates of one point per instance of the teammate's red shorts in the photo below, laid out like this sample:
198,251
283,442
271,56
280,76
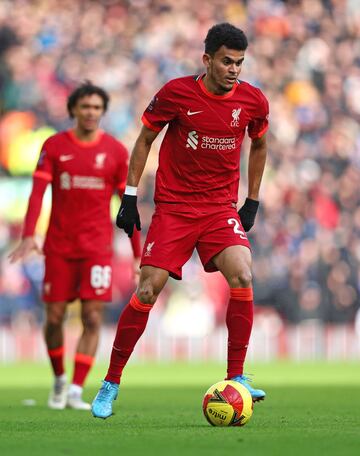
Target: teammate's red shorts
176,230
67,279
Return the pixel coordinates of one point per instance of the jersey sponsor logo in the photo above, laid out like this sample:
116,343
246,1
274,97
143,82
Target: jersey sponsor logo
68,182
99,160
65,181
64,158
192,140
149,248
88,182
209,142
192,113
235,115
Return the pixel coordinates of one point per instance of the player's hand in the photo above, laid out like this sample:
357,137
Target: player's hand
26,246
247,213
128,215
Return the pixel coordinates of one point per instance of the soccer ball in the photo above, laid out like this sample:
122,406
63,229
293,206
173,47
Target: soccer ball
227,403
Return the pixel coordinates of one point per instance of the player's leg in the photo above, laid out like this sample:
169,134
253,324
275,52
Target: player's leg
54,339
134,318
91,317
131,325
94,288
58,289
224,246
169,244
234,263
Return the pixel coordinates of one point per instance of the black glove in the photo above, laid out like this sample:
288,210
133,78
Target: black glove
247,213
128,215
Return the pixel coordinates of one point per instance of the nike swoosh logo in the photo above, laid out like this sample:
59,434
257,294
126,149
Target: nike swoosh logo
100,291
191,113
64,158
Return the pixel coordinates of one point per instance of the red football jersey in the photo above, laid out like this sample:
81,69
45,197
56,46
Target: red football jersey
199,160
83,177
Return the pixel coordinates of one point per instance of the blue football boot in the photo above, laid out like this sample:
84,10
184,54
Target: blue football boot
102,404
256,394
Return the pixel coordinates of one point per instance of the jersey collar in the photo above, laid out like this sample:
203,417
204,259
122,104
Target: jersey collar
200,81
79,143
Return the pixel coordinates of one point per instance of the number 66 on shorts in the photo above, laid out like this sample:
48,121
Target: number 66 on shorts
67,279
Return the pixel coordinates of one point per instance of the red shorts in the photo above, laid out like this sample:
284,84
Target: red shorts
67,279
175,232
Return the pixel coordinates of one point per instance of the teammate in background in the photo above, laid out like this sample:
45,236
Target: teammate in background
85,166
195,195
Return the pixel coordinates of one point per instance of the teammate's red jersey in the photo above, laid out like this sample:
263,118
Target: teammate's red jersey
83,178
200,154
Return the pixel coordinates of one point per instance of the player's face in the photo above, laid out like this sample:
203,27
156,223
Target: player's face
88,111
223,68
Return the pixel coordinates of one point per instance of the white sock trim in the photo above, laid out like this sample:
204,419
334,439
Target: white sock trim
61,378
75,390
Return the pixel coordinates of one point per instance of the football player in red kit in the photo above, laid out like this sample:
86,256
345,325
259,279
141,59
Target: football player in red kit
85,166
196,196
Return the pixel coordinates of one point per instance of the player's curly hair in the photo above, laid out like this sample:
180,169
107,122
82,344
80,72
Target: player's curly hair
87,88
227,35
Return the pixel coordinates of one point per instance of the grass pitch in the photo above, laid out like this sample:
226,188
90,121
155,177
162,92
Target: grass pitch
311,409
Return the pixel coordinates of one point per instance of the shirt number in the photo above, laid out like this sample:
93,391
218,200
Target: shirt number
233,221
100,276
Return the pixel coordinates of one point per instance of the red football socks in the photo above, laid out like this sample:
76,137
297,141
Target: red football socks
82,366
239,320
131,325
56,356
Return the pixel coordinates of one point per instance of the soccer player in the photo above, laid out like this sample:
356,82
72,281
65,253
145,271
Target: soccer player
85,166
196,194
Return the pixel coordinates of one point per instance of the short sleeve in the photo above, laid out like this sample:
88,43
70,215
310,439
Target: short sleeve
260,123
45,165
161,110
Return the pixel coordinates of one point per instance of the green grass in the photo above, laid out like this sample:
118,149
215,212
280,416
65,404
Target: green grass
311,409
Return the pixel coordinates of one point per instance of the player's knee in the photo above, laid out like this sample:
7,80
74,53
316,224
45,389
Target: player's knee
147,293
150,287
152,281
92,321
54,321
241,279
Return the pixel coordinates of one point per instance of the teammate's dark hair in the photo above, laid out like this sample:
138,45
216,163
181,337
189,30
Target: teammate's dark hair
227,35
87,88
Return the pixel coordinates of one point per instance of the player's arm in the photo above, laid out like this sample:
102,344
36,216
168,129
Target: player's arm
41,177
257,159
28,243
139,155
128,215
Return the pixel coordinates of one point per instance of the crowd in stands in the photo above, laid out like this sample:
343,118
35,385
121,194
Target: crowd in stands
303,54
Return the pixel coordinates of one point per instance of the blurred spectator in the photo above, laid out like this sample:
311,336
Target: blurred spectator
305,55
